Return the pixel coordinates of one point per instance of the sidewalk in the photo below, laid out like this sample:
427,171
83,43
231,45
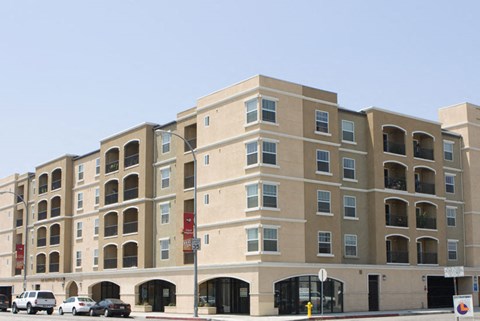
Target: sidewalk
330,316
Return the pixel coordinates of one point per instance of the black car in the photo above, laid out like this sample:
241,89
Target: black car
111,307
4,302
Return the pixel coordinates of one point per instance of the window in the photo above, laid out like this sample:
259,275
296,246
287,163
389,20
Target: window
323,161
97,166
97,196
451,216
321,121
206,121
252,196
324,243
350,245
164,249
206,159
270,239
252,240
252,153
348,168
448,150
450,183
269,195
79,200
206,239
452,250
251,110
166,138
79,229
95,257
96,226
165,213
269,153
79,259
269,110
165,174
206,199
323,202
349,206
80,172
348,131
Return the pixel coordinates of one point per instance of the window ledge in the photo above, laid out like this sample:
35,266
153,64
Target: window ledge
251,166
322,133
395,154
252,253
325,255
133,233
324,173
425,159
352,180
253,209
132,166
270,253
355,257
349,142
269,165
324,214
273,209
351,218
110,173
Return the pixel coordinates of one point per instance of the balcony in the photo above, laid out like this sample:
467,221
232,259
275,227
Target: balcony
427,258
56,184
19,222
131,160
189,182
425,188
192,142
40,268
42,189
426,222
111,167
55,212
111,198
425,153
396,220
130,261
54,239
130,193
130,227
395,148
42,215
54,267
110,263
111,230
20,198
41,242
397,257
396,183
423,144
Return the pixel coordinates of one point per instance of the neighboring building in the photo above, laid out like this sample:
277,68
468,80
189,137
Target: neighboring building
288,182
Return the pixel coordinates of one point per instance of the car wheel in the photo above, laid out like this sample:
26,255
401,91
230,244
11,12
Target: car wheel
126,315
60,311
29,309
14,309
50,311
74,311
107,313
91,313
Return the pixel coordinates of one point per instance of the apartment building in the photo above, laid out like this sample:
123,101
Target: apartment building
283,181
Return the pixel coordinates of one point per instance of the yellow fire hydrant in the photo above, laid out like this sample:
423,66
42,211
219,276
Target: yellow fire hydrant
309,309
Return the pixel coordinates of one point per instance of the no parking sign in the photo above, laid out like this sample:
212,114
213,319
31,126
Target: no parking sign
463,305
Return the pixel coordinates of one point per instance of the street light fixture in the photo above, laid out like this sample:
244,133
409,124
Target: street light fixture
18,196
194,248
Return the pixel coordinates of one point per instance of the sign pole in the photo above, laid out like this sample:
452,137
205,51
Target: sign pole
322,276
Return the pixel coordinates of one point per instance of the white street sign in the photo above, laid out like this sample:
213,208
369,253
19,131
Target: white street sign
454,271
322,275
463,305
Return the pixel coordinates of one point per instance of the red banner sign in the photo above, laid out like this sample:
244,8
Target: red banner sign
20,256
187,232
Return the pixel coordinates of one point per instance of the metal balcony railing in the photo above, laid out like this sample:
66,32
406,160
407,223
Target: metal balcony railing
427,258
54,212
54,239
396,220
42,242
111,230
425,153
111,198
426,222
54,267
396,183
19,198
56,184
42,189
19,222
397,257
192,142
130,193
131,160
111,167
130,227
425,188
42,215
130,261
110,263
40,268
394,147
189,182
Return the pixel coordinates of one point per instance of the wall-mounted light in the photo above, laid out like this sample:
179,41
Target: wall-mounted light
424,278
384,277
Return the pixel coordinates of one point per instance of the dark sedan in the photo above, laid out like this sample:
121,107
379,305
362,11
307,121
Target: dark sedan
111,307
4,302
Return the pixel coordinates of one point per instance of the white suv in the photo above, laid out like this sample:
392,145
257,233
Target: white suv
34,301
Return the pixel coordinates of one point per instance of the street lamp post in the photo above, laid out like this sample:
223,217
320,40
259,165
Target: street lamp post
194,248
26,231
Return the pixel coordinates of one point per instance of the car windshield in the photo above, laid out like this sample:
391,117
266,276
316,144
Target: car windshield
85,300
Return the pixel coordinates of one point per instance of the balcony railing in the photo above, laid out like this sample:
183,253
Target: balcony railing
40,268
130,193
110,263
425,153
111,198
130,261
55,212
427,258
19,198
396,183
425,188
130,227
426,222
111,230
396,220
397,257
42,215
111,167
54,239
192,142
19,222
131,160
42,189
42,242
56,184
189,182
54,267
395,148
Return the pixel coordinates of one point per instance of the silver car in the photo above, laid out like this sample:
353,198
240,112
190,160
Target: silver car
76,305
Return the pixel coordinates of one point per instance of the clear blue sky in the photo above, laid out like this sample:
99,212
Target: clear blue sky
74,72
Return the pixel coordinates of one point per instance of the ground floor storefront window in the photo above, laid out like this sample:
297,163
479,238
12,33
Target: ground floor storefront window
228,295
157,293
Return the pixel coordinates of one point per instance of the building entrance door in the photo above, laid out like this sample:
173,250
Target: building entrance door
373,304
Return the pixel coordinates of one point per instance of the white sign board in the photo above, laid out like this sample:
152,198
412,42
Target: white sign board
322,275
463,305
454,271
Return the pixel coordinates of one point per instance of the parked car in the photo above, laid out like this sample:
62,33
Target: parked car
4,302
76,305
111,307
34,301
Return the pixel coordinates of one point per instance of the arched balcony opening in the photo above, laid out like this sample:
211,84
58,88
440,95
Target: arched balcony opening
397,249
42,210
111,160
110,257
427,251
55,234
111,224
111,192
396,213
393,140
424,180
41,236
57,179
130,255
41,263
43,184
130,221
55,206
54,265
131,153
395,176
130,185
423,145
426,214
